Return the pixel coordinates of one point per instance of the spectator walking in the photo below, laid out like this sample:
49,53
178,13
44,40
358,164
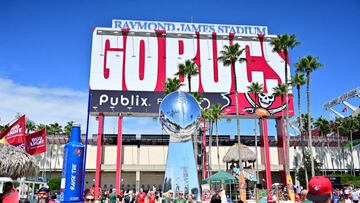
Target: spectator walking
320,190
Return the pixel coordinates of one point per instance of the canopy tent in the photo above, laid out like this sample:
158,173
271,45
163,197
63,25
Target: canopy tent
221,177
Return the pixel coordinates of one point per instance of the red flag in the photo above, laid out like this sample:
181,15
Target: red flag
15,134
344,110
36,142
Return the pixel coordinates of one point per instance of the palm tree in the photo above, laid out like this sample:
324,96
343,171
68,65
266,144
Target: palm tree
41,126
188,69
280,90
216,113
256,88
30,126
172,85
198,96
282,44
3,127
208,115
337,124
56,129
351,124
68,127
307,65
298,80
324,127
229,56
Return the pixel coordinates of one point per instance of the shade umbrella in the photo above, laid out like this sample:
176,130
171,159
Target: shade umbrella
15,163
232,155
221,177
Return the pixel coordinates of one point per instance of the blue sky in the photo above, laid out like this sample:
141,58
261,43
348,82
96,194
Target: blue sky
45,48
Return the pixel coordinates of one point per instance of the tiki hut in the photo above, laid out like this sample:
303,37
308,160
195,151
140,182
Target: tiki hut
232,155
15,163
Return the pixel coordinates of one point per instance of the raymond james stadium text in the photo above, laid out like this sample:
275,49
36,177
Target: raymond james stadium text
188,27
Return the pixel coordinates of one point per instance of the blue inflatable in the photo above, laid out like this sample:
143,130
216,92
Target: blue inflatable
71,182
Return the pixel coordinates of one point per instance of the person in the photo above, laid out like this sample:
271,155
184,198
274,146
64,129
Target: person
168,197
355,196
112,196
141,196
216,198
189,198
320,189
347,199
180,198
89,198
129,197
303,198
151,197
10,194
43,196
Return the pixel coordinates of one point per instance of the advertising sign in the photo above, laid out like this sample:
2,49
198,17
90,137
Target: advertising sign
36,142
71,182
15,133
129,65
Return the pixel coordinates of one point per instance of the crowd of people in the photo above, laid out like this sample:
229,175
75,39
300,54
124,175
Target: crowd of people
320,190
133,196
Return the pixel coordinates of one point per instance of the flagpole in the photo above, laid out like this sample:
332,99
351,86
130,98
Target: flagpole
86,144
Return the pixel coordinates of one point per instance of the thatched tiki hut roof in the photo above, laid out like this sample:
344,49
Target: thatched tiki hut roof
15,163
232,155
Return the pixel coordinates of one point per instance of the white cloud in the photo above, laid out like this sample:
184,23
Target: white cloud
42,105
50,105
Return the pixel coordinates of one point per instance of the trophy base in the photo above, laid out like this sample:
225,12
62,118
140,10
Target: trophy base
181,173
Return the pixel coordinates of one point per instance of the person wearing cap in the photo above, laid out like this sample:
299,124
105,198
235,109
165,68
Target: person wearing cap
320,190
168,197
89,198
180,198
43,196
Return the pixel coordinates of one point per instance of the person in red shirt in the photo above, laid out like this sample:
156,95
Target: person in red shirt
151,197
141,196
10,194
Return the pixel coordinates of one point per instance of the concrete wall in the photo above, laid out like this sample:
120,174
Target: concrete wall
153,158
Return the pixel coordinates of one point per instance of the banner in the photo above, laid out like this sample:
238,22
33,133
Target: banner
143,102
36,142
15,133
131,61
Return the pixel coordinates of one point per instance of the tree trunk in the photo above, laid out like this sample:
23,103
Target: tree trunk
351,151
237,125
309,124
287,161
210,145
256,152
217,143
300,128
284,147
324,154
341,159
237,114
189,81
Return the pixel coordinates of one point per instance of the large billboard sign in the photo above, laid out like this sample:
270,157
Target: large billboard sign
130,62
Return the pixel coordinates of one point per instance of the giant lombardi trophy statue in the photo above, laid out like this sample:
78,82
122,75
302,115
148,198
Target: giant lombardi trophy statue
180,116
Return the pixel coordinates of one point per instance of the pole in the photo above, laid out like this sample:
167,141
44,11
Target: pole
86,144
99,156
118,155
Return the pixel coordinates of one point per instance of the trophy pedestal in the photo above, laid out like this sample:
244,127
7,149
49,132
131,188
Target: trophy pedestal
181,173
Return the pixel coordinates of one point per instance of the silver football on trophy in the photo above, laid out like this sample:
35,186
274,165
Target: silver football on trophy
179,115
